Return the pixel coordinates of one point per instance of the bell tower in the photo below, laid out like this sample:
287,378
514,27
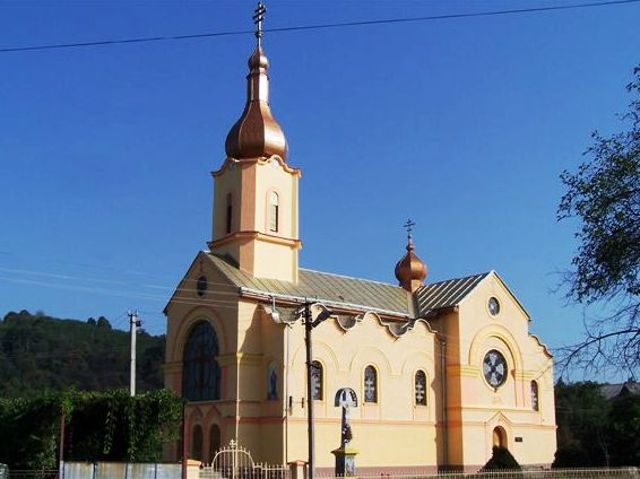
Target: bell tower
255,204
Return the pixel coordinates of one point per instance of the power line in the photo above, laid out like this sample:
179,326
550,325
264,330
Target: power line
292,28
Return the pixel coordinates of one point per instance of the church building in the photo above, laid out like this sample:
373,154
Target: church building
442,371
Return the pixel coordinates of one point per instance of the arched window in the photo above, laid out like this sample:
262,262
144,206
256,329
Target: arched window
196,443
200,370
420,388
535,405
370,384
274,204
229,217
316,380
214,441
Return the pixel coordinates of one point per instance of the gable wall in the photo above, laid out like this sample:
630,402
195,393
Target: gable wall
480,407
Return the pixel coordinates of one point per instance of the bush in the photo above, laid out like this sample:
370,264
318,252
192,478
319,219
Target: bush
501,459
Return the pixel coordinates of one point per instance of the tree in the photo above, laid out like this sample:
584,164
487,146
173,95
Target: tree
582,415
99,426
604,196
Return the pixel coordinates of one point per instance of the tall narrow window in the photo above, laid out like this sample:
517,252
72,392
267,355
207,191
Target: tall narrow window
196,443
420,389
200,370
274,204
316,380
229,217
370,384
535,405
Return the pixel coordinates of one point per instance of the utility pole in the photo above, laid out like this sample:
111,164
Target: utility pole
133,330
309,325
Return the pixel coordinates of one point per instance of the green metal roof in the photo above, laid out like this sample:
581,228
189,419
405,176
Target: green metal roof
354,293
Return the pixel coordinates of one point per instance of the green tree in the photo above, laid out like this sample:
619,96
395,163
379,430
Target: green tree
625,431
582,416
100,426
41,352
604,196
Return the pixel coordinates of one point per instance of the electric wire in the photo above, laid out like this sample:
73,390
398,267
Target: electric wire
294,28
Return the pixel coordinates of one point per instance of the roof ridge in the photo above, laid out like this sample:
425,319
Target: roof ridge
476,275
350,277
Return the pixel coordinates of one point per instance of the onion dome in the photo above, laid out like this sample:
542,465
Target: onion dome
256,134
411,271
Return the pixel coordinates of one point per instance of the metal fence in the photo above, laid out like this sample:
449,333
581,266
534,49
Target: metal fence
120,470
235,462
619,473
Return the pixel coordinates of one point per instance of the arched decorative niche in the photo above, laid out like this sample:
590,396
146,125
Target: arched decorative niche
499,338
215,440
273,381
196,442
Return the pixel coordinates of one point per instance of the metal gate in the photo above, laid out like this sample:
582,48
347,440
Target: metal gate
235,462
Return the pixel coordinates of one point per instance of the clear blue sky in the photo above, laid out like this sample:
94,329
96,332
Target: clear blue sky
463,125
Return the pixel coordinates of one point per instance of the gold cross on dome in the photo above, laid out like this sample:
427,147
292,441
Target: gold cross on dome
258,17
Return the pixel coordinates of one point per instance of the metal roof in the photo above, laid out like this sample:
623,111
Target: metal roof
355,293
445,294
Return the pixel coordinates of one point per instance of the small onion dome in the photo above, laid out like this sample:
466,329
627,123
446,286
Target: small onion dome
410,270
256,134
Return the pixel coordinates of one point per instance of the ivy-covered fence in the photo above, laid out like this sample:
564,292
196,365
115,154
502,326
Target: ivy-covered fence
98,426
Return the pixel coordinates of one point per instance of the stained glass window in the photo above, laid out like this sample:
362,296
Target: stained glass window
370,384
421,388
316,380
200,370
534,396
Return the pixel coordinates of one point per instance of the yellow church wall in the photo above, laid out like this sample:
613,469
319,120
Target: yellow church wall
392,432
474,407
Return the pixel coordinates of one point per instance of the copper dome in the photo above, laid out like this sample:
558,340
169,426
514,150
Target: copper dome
256,134
411,271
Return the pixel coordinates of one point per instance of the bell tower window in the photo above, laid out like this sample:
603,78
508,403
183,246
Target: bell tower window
229,213
274,205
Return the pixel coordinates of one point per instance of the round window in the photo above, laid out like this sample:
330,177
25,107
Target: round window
494,306
494,368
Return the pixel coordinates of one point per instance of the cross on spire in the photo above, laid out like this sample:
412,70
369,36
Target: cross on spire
258,17
409,227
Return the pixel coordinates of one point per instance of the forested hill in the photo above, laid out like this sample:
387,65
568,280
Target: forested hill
39,352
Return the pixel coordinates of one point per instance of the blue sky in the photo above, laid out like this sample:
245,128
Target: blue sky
463,125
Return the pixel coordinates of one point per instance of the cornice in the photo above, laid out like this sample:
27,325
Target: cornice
245,162
255,236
